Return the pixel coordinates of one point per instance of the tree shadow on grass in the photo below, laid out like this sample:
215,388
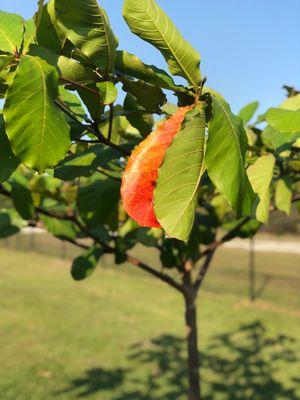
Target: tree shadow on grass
238,365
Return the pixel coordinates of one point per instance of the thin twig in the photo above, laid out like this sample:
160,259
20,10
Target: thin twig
94,130
79,85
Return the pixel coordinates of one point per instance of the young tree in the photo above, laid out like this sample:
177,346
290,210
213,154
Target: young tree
201,179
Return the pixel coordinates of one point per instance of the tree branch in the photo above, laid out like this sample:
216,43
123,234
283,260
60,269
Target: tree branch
94,130
107,248
204,269
79,85
210,250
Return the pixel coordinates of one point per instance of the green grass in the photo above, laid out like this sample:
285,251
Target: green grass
118,335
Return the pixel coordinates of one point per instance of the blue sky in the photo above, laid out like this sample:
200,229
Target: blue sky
249,48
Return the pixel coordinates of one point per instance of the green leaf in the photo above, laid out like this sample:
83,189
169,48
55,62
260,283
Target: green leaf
21,197
283,194
48,33
7,226
86,162
291,103
6,73
8,161
149,237
287,121
38,14
11,32
29,35
247,112
37,130
98,201
294,165
87,26
6,61
137,115
131,65
251,136
84,265
71,101
260,174
121,127
175,196
169,109
108,92
248,230
67,68
63,230
92,101
148,21
225,157
149,96
276,140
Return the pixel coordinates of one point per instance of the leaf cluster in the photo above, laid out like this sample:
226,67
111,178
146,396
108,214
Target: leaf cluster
65,136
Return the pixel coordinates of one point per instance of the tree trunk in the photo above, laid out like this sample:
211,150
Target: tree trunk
194,392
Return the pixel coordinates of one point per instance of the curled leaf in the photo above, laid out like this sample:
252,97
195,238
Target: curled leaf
139,178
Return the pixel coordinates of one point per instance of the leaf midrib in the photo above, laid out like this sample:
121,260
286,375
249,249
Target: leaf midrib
235,137
192,196
167,44
44,108
7,38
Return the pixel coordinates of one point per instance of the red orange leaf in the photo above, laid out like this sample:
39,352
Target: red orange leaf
139,178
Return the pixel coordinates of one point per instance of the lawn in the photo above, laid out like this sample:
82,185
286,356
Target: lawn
119,335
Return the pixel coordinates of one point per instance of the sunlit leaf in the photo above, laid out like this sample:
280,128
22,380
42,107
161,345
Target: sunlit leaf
87,26
148,21
108,92
287,121
225,157
247,112
276,140
37,130
29,35
139,178
67,68
11,32
133,66
260,174
291,103
175,195
63,230
283,194
48,33
38,14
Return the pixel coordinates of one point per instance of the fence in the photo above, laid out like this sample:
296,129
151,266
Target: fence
32,240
